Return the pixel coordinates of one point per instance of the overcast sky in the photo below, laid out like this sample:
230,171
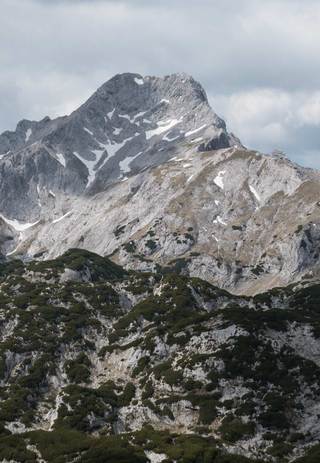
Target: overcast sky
259,60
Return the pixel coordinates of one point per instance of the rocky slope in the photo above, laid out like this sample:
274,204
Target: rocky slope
129,124
146,173
98,364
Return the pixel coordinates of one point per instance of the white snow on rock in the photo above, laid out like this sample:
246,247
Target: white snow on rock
125,164
163,126
111,113
192,132
90,164
138,80
18,226
28,134
51,193
255,193
113,148
167,138
110,149
87,130
60,158
164,100
137,116
219,220
117,130
125,116
218,180
63,217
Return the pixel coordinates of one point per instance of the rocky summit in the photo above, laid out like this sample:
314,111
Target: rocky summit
159,287
147,173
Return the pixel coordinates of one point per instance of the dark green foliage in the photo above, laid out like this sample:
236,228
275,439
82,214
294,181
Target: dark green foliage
151,245
258,269
130,247
128,394
84,402
13,448
175,319
119,230
81,260
78,370
148,391
143,362
312,456
233,429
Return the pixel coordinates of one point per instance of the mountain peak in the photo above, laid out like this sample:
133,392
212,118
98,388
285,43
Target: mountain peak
131,123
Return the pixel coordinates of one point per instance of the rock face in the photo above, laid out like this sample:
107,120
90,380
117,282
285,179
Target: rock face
129,124
183,370
146,172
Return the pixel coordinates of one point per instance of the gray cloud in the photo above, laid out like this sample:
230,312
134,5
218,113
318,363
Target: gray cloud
258,61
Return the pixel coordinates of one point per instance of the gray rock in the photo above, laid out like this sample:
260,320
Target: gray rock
147,172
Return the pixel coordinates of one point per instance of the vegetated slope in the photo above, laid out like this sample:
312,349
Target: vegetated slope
147,173
102,364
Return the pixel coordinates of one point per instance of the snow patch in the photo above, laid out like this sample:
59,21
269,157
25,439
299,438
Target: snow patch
89,165
139,80
163,126
18,226
87,130
166,138
63,217
255,193
142,113
28,134
116,130
111,113
218,180
60,158
110,148
125,164
192,132
219,220
125,116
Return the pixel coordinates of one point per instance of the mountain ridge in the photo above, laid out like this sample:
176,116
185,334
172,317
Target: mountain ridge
103,177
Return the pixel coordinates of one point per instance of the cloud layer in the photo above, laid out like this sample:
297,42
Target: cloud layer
258,61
